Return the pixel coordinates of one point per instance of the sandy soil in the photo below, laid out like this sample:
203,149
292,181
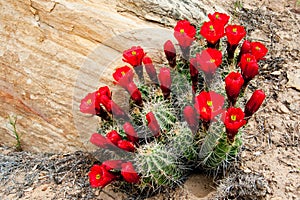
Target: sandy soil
269,165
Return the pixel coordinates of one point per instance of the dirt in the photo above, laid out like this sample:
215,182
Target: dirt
267,168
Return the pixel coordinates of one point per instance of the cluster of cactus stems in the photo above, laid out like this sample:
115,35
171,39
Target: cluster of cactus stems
181,116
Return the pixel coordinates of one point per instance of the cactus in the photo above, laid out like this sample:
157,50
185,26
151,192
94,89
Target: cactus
179,120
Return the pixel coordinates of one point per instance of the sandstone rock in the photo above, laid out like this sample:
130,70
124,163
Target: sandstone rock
54,52
167,12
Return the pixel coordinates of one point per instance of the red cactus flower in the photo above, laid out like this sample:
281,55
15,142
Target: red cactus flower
131,134
249,67
209,60
258,50
100,177
153,124
170,53
184,33
165,81
208,105
134,56
191,118
254,102
90,104
129,173
126,145
100,141
234,34
112,164
233,84
212,31
104,91
150,69
123,76
104,96
114,137
222,18
233,120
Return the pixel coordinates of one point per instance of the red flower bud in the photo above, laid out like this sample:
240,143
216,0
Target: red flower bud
193,68
212,31
118,112
209,60
113,136
190,117
150,69
208,105
123,76
258,50
90,104
233,84
249,67
134,56
184,33
170,53
126,145
165,81
246,47
112,164
135,93
233,120
254,102
221,18
234,34
131,134
194,73
100,141
153,124
129,173
100,177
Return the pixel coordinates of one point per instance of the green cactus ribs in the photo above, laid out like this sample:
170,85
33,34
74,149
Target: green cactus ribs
158,165
216,151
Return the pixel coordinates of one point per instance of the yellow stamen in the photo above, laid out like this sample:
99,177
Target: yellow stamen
233,117
234,30
123,73
133,53
217,16
257,48
212,60
211,27
209,103
98,176
181,30
248,59
89,101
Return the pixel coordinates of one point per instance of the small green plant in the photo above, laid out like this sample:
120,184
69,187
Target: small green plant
13,123
238,5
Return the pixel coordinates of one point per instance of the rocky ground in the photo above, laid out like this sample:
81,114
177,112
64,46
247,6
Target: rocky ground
269,165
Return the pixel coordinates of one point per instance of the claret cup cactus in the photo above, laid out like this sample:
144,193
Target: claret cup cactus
186,114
